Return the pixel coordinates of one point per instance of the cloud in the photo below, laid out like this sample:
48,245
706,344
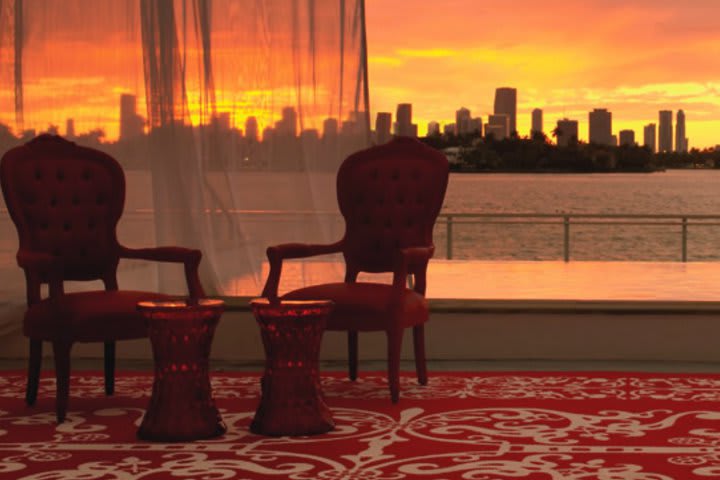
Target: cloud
427,53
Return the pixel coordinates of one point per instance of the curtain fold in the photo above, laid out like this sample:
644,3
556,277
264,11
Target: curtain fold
230,118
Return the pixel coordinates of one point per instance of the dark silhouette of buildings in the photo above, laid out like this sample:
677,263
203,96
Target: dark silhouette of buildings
506,104
132,125
681,141
649,137
383,127
665,134
600,127
403,125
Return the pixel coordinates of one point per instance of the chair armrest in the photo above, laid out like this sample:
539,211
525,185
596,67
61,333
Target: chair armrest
162,254
41,267
190,257
276,254
411,260
39,262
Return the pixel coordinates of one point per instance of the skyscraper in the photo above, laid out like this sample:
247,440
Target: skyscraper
627,137
537,122
330,128
251,129
498,125
131,124
287,125
404,126
567,132
476,125
649,136
600,126
665,134
383,126
70,128
680,145
506,104
433,128
462,121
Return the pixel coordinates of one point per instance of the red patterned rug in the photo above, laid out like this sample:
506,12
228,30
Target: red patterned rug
476,426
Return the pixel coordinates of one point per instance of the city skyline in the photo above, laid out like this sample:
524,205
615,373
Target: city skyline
634,58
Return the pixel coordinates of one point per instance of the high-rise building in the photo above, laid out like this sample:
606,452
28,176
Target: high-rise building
287,125
567,132
449,129
627,137
600,126
131,124
330,128
70,128
476,125
496,131
462,121
433,128
221,121
251,129
665,133
383,127
680,140
649,136
537,121
506,104
403,125
498,125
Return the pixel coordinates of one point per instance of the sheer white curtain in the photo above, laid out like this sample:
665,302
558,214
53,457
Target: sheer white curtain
229,116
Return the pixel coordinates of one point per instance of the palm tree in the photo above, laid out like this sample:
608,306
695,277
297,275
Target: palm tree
557,133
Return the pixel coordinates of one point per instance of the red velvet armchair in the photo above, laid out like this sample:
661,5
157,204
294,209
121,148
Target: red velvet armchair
65,201
390,197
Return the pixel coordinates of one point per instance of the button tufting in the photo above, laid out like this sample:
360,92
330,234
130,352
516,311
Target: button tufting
66,226
53,201
86,175
38,174
60,175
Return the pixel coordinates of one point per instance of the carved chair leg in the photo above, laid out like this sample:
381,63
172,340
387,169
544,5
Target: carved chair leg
61,352
394,345
352,355
33,374
419,347
109,368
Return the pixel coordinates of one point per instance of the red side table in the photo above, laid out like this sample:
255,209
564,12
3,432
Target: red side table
292,401
181,407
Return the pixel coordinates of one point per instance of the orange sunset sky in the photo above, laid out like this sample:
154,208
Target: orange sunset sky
634,57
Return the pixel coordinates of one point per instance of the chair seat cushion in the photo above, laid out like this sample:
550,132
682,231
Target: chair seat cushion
89,316
365,306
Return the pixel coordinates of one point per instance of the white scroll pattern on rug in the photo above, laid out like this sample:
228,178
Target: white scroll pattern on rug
490,436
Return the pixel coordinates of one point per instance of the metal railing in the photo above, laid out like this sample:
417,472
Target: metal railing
452,221
566,221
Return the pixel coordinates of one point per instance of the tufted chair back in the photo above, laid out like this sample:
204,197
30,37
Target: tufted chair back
65,201
390,196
